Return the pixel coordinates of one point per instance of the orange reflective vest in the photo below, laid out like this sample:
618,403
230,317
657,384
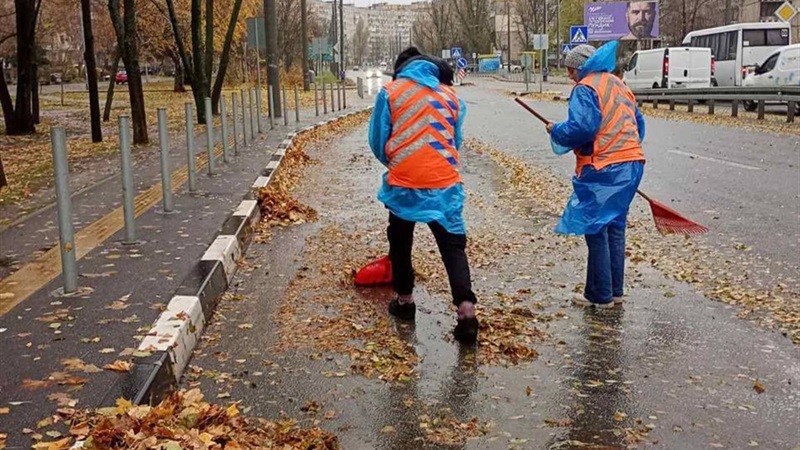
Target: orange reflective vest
422,150
617,139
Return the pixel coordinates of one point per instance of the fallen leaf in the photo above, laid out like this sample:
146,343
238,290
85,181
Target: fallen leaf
758,387
5,410
388,429
118,366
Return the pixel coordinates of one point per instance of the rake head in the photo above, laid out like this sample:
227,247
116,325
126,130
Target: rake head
668,221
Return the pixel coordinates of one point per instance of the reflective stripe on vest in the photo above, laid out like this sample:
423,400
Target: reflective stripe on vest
421,149
617,139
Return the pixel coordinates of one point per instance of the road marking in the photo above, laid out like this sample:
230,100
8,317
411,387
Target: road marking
721,161
23,283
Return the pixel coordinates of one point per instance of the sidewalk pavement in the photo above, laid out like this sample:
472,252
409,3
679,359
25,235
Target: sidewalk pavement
54,348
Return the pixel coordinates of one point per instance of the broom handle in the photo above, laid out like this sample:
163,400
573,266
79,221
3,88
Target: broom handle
545,121
532,111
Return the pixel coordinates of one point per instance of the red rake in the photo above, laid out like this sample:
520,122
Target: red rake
667,220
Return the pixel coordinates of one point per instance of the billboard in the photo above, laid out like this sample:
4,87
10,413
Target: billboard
621,20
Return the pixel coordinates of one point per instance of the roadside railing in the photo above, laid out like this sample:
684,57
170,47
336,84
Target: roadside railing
751,98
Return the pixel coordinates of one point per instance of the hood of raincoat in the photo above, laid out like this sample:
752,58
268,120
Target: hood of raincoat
420,71
603,60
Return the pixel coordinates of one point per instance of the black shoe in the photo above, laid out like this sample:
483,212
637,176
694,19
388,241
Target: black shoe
466,330
403,311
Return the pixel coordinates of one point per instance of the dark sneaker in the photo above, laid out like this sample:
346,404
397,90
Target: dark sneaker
466,330
403,311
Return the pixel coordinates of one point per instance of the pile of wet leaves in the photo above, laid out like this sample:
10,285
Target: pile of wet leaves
182,421
278,206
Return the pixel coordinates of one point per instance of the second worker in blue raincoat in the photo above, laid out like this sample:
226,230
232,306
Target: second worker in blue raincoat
605,130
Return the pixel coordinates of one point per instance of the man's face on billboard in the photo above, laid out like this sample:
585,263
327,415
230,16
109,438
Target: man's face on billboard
641,17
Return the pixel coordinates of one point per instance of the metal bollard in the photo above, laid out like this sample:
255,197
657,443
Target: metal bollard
296,105
344,94
338,96
163,145
258,111
253,125
66,232
244,119
271,102
333,103
360,87
316,99
192,170
128,211
223,112
235,108
285,107
210,136
324,99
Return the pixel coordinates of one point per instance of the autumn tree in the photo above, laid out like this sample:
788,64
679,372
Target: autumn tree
198,62
474,21
360,41
434,28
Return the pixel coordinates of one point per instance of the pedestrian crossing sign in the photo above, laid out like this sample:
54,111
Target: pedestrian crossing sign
578,35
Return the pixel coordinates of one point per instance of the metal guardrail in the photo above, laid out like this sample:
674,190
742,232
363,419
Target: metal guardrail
750,97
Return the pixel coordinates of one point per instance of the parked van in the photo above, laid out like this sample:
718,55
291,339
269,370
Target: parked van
673,67
781,68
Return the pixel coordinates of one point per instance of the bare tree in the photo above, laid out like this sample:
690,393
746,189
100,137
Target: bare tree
360,41
434,29
474,20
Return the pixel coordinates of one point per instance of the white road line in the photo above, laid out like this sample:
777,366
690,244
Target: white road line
721,161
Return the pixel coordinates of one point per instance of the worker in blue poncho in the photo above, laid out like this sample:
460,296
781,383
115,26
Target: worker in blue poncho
415,131
605,130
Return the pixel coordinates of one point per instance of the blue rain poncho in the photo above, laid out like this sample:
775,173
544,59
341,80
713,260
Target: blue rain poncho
417,205
604,196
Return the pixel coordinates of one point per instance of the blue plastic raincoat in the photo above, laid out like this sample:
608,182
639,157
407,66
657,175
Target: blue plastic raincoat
417,205
599,197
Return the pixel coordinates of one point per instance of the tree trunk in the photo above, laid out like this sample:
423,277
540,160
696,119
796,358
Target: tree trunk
198,66
304,47
3,179
209,41
226,56
5,98
111,83
178,85
35,97
128,44
91,71
22,116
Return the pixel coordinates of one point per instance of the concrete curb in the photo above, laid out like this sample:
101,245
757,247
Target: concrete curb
175,334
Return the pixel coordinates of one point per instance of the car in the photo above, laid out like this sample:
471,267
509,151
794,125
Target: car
668,68
516,68
121,78
356,68
781,68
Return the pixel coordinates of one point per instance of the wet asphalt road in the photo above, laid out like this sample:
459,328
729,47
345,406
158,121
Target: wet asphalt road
673,371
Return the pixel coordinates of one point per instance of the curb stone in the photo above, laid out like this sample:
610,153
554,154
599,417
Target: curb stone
167,348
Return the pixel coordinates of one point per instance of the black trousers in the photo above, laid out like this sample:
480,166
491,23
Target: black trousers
451,247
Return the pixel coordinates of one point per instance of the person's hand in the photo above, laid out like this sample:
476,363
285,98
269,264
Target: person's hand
549,127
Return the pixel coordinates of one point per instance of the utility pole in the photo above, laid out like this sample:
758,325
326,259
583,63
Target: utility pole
334,40
544,63
273,74
304,32
558,34
508,13
341,33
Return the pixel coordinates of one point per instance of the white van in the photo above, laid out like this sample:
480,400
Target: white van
781,68
674,67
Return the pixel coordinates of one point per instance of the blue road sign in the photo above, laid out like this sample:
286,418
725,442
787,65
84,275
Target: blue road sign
455,52
578,35
565,48
461,63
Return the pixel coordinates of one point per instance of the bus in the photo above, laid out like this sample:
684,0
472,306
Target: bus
738,48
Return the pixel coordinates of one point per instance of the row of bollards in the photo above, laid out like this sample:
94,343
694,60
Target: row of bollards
248,134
